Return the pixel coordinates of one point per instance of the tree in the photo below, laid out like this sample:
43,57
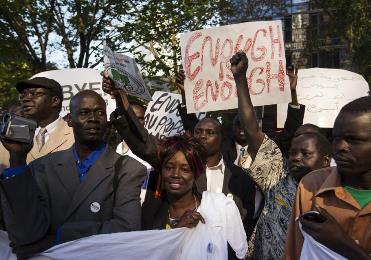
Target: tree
82,27
152,30
348,22
26,27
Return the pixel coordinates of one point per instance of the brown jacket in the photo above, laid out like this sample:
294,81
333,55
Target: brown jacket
322,188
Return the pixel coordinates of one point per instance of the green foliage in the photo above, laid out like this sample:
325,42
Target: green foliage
347,22
152,30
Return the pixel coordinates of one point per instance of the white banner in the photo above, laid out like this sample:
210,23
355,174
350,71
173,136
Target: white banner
209,82
76,80
125,73
324,92
162,118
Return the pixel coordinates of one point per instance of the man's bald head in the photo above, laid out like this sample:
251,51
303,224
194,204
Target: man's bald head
76,99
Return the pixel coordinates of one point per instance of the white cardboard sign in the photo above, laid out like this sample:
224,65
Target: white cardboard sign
209,82
162,118
324,92
76,80
125,73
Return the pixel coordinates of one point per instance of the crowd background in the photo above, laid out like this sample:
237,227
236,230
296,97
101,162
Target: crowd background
160,185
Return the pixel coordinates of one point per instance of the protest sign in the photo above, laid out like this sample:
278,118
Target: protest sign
162,118
209,82
125,73
76,80
324,92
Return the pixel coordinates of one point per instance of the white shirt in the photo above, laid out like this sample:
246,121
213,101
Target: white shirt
215,177
123,149
49,128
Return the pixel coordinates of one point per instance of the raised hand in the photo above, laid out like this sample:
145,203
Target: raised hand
292,72
108,86
239,64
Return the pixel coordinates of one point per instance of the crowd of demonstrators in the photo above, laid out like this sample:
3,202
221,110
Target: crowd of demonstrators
341,194
84,175
85,190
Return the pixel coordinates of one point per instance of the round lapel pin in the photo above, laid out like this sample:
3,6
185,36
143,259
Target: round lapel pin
95,207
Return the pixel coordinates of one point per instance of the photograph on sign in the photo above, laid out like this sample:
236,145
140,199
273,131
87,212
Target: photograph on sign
209,83
324,92
123,70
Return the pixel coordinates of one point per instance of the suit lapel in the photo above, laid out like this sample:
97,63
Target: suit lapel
67,172
55,140
227,177
201,183
102,169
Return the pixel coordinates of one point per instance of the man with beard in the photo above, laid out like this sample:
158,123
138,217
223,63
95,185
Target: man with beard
341,195
86,190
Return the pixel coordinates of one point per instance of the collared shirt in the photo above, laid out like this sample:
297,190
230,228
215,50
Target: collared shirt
239,149
215,177
322,188
123,149
49,128
84,166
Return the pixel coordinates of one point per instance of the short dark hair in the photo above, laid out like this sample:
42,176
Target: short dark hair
358,106
322,143
211,119
193,150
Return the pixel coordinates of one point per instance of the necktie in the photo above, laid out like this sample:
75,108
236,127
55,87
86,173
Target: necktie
40,138
240,158
244,160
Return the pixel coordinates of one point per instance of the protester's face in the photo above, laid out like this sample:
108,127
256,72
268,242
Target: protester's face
36,103
239,134
305,157
177,176
139,113
88,119
352,143
209,135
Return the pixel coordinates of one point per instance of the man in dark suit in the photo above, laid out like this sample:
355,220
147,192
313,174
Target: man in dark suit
86,190
223,176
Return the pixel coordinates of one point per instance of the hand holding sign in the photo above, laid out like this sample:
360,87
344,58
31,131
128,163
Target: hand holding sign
124,72
239,65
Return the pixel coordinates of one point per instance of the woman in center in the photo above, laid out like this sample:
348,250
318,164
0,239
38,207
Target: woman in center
174,204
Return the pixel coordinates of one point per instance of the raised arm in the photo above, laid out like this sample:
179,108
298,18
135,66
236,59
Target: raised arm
189,120
246,112
128,126
295,114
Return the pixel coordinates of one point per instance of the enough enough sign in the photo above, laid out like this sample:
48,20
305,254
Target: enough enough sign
209,83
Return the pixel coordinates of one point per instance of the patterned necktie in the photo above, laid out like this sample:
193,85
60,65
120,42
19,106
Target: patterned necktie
40,138
241,157
244,160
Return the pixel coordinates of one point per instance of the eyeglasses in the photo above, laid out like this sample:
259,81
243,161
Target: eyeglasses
32,94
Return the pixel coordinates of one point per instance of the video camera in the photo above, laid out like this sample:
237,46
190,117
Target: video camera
18,129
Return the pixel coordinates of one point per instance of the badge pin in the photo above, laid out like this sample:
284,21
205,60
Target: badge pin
95,207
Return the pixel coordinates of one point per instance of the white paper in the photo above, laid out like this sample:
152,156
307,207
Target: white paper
209,83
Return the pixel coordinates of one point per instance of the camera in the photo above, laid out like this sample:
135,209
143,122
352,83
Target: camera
18,129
